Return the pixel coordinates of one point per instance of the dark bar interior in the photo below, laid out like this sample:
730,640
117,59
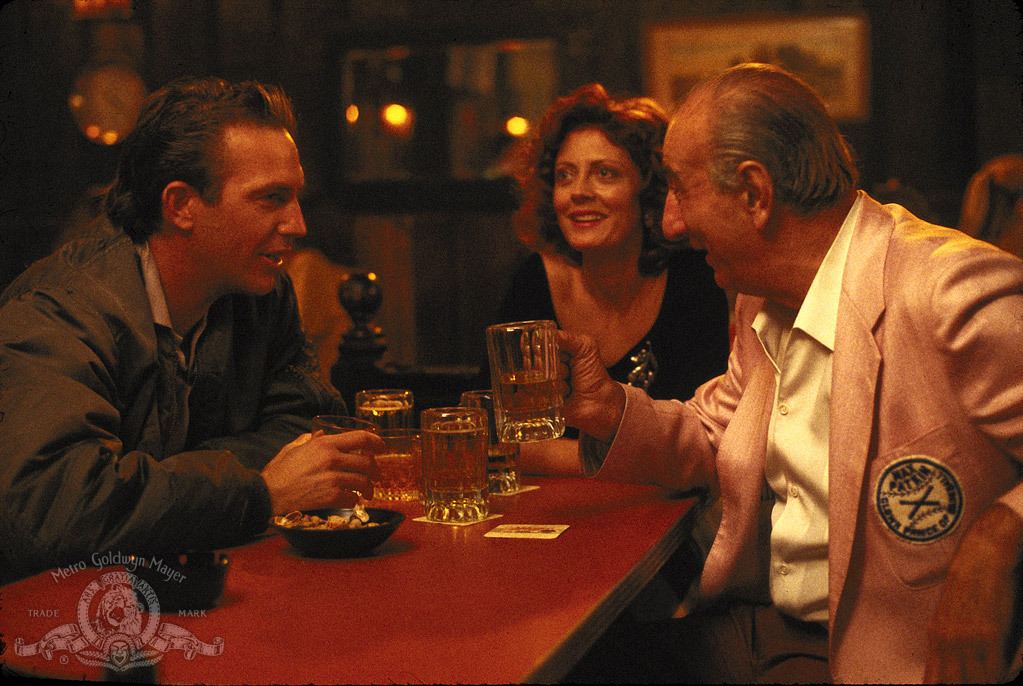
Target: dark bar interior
430,212
759,411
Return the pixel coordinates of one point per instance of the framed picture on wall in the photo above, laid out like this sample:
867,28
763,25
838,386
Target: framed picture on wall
829,52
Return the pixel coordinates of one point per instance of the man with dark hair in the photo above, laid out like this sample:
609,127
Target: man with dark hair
156,387
866,441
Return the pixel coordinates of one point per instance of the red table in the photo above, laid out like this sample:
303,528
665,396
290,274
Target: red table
434,604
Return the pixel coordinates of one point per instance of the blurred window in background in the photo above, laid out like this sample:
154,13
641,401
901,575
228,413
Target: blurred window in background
451,111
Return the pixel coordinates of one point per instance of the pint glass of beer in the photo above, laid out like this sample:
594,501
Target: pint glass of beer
502,458
401,465
455,485
388,408
524,375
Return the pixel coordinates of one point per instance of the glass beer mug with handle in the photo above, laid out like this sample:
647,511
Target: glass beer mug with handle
524,376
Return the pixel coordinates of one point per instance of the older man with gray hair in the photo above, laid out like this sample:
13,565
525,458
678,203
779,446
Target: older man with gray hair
866,441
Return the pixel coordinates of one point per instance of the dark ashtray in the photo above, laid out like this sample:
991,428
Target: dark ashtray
185,581
342,542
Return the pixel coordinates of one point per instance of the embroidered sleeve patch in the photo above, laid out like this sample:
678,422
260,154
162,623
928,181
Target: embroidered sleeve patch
919,499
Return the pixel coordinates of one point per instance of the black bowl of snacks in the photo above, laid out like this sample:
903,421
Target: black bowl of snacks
337,531
185,581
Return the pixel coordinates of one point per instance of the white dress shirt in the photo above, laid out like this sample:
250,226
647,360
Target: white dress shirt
800,346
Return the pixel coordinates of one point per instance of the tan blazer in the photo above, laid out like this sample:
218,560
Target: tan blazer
926,434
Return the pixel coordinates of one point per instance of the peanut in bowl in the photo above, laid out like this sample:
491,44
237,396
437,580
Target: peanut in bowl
337,531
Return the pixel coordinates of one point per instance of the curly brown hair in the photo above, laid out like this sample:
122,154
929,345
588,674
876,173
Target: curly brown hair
636,125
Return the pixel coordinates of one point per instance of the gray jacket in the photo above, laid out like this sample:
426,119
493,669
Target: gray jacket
87,395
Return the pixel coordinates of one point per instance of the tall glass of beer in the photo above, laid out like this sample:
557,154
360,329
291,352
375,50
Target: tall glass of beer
455,485
388,408
502,458
524,375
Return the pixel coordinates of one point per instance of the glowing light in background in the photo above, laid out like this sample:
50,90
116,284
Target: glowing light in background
395,114
517,126
397,119
106,101
86,9
352,114
512,45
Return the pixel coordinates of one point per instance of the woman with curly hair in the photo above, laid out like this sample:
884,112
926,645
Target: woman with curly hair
593,189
